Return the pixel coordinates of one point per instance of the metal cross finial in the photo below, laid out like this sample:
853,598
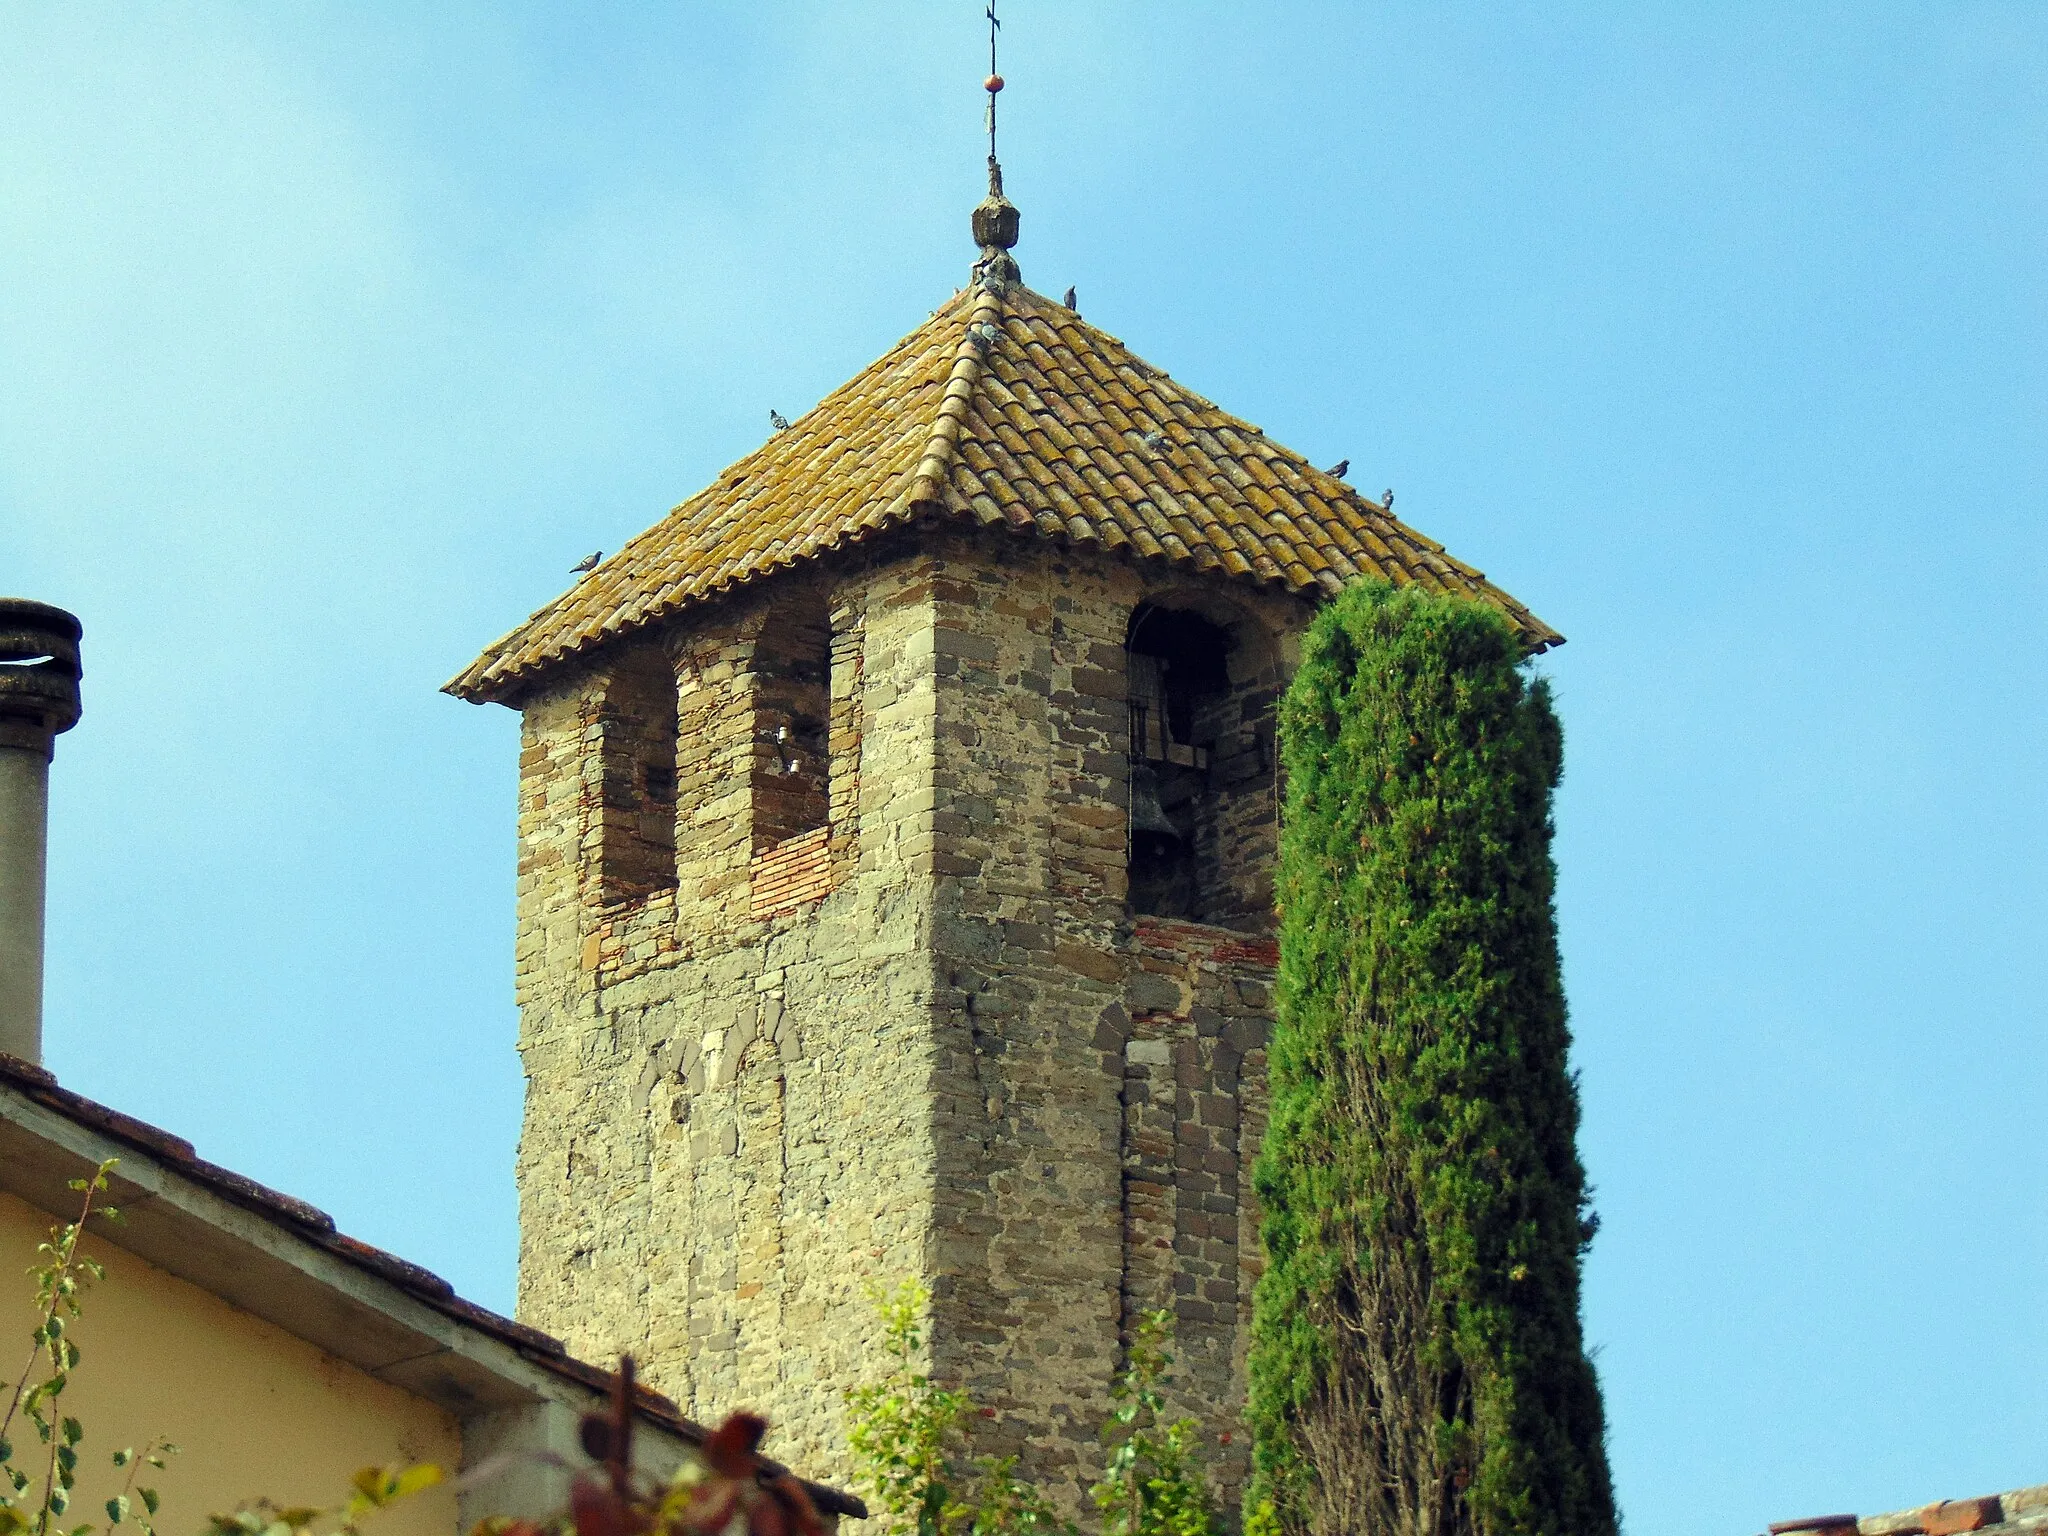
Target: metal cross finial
995,216
994,82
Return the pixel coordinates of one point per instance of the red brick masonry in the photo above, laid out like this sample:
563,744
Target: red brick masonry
795,871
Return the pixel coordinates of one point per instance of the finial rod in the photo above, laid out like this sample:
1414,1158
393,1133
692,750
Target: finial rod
994,83
995,220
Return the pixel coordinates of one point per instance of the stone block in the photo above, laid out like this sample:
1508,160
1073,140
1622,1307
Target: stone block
1149,992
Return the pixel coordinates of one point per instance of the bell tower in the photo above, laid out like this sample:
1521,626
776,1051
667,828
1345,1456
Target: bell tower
896,829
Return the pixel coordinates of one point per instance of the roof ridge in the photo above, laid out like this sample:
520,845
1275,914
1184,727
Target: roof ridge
928,480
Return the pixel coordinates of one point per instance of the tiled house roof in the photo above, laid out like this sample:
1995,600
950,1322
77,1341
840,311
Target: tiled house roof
2023,1510
1004,409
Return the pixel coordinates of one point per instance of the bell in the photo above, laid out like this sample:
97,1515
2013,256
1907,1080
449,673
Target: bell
1152,835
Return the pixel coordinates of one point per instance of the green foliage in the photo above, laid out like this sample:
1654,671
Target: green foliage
1153,1484
906,1433
62,1276
1006,1505
901,1425
1417,1361
373,1489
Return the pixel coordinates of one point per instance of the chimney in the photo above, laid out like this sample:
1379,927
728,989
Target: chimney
38,698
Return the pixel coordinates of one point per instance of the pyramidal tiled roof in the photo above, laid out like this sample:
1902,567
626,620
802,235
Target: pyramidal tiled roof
1004,409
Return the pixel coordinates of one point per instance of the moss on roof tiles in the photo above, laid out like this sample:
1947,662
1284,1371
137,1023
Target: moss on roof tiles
1037,432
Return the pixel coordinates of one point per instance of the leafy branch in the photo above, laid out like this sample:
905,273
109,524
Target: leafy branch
62,1275
121,1507
1152,1484
374,1488
902,1423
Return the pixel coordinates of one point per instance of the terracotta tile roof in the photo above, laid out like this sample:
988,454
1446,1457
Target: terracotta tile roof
2023,1510
1005,409
317,1227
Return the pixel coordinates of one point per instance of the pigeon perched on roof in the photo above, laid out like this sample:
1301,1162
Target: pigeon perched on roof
1069,301
777,420
587,563
1339,470
1387,498
1154,441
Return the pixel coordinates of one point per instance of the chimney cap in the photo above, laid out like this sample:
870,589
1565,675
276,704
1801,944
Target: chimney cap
25,613
39,672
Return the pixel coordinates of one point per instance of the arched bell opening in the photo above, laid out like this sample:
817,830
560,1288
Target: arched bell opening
1201,688
636,803
792,722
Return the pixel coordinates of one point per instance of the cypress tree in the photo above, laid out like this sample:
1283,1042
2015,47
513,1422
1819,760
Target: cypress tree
1417,1363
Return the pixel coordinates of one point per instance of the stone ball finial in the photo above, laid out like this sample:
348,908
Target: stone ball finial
39,672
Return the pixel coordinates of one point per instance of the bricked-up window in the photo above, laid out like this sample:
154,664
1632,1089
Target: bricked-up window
1203,810
636,809
792,724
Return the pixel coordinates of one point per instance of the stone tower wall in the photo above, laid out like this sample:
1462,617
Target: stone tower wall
1100,1085
728,1116
929,1040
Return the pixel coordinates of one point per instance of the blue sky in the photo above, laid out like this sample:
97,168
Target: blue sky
333,334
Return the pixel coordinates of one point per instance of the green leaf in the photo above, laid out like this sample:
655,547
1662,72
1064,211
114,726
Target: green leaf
70,1355
148,1497
415,1478
117,1509
6,1449
73,1432
124,1456
60,1500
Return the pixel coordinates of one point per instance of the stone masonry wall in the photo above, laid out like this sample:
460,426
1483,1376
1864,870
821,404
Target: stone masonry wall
727,1123
1096,1077
1194,1094
964,1061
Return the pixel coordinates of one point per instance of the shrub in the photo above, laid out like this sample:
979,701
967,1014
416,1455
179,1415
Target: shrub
902,1423
906,1432
1154,1484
